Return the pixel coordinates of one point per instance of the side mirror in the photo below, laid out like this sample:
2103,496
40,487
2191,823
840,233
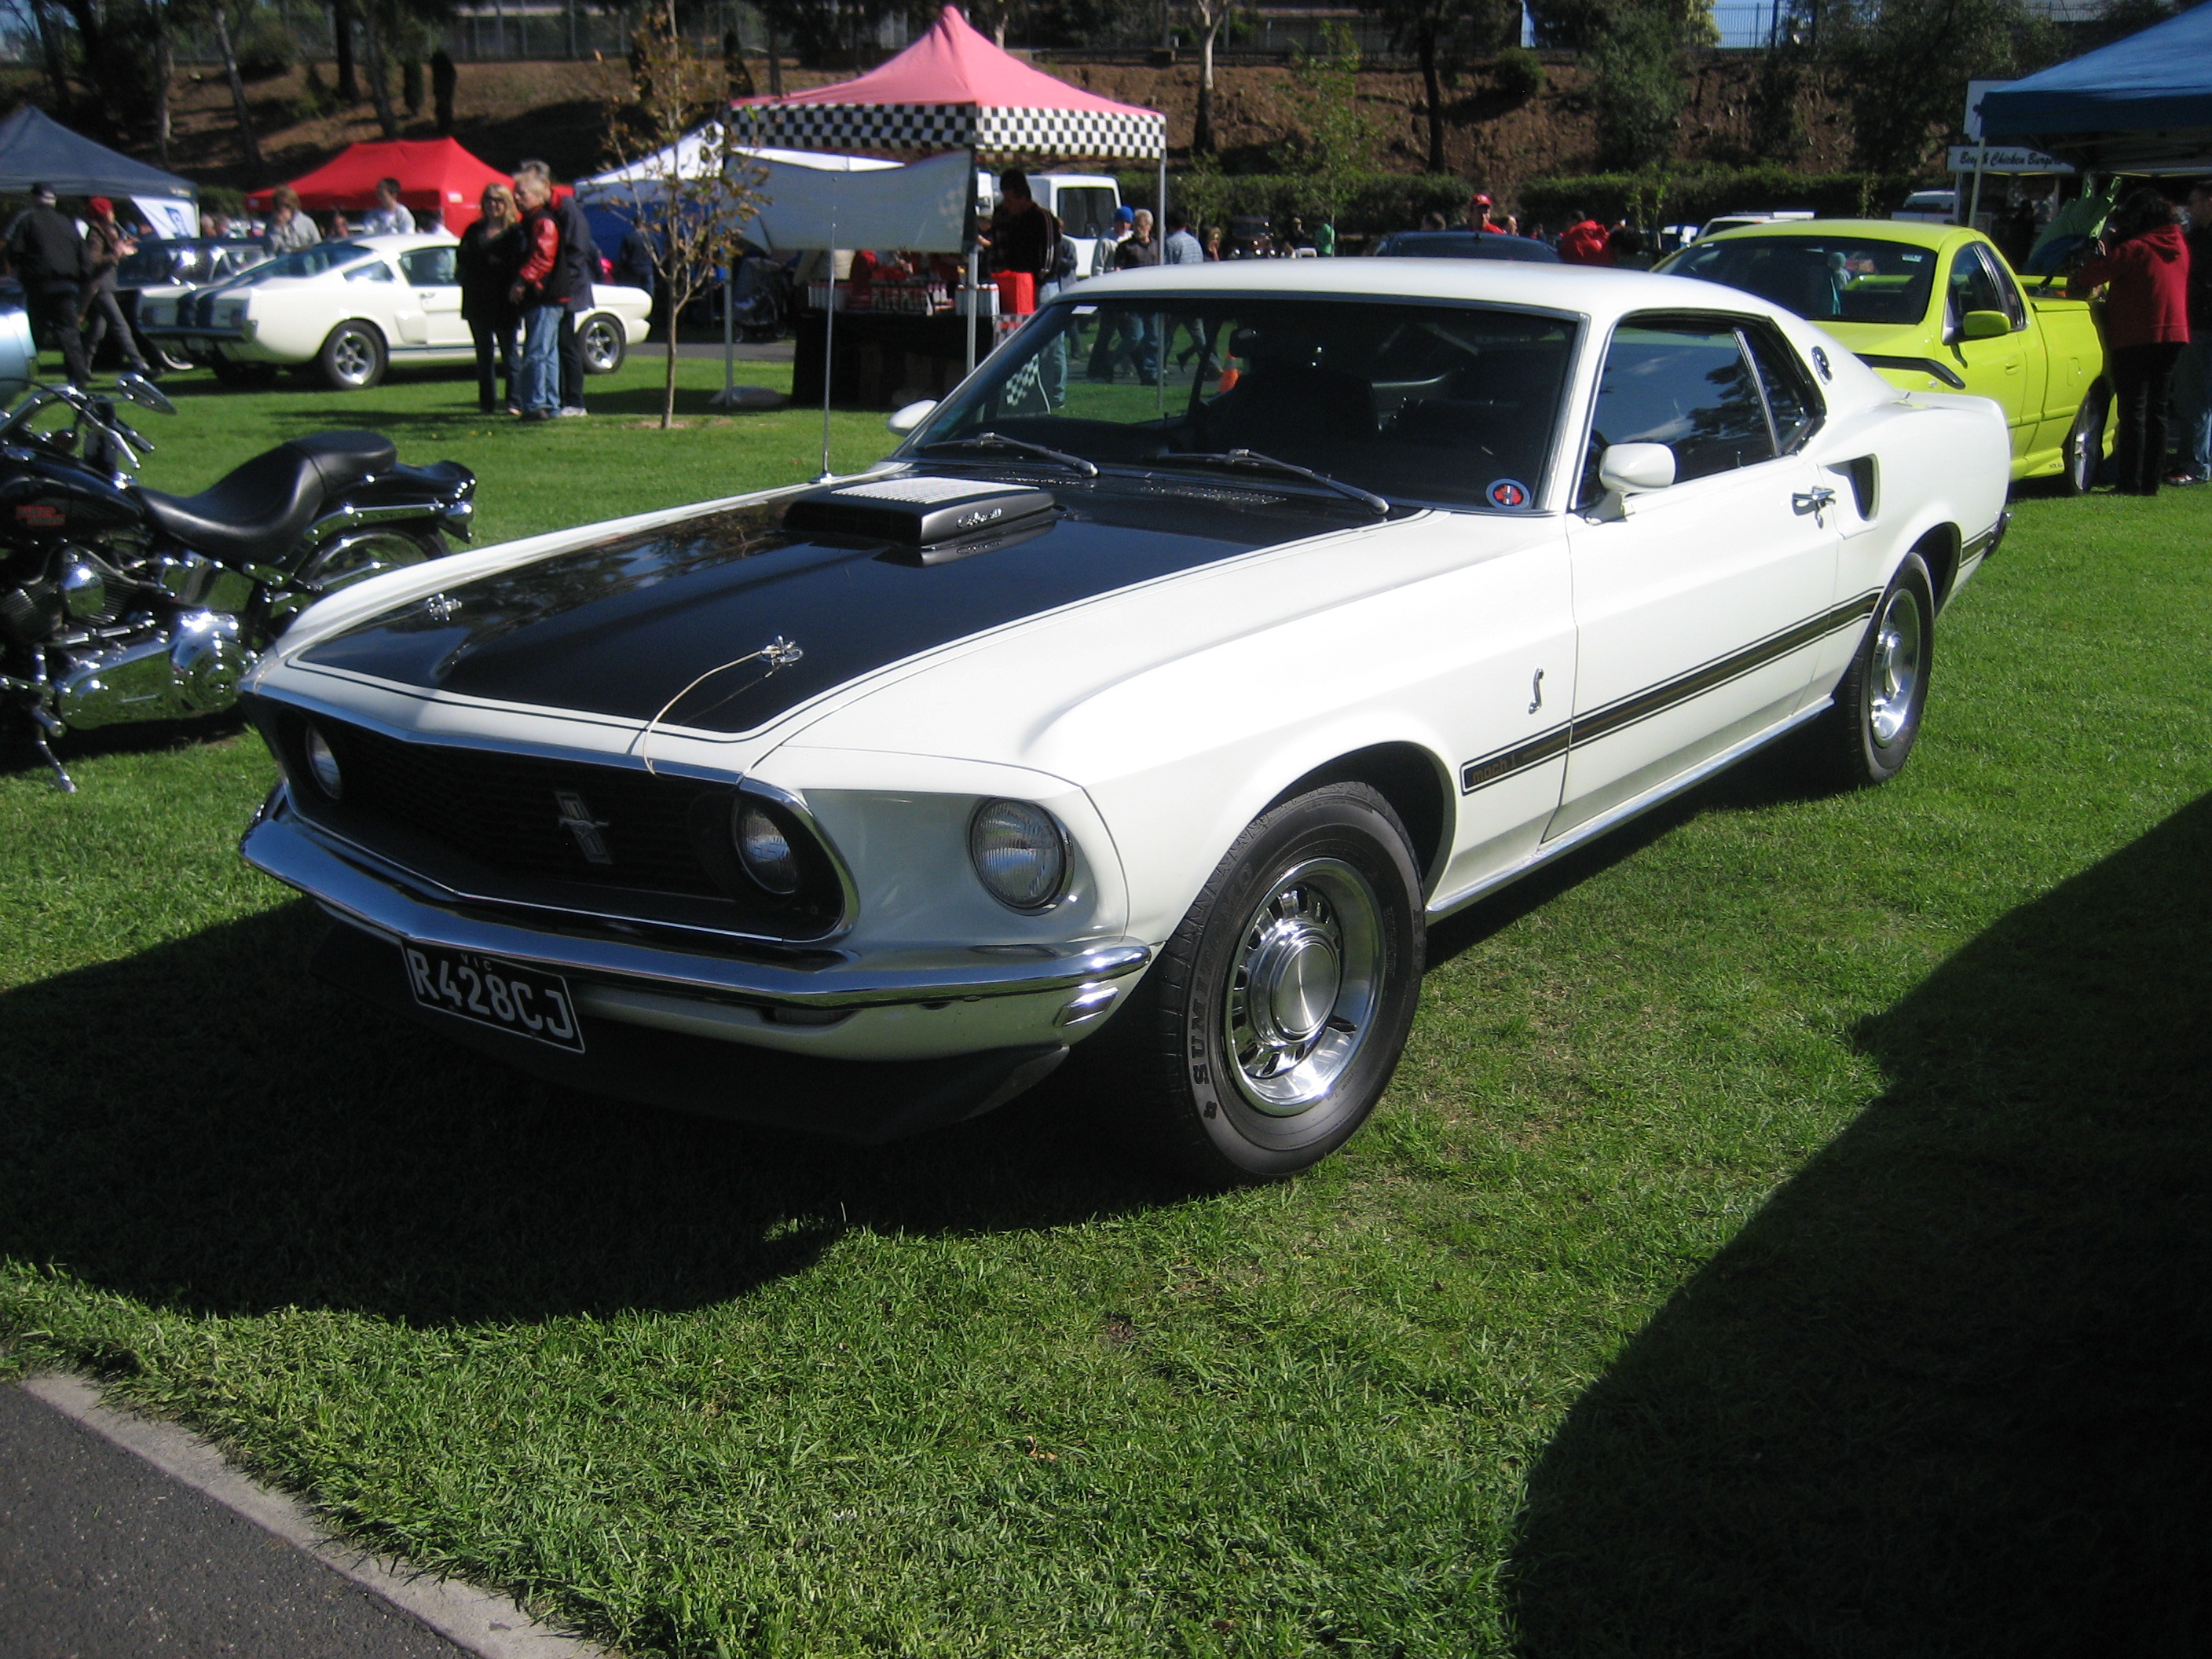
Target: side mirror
1626,468
1984,326
904,420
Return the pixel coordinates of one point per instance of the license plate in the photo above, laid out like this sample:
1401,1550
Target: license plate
501,994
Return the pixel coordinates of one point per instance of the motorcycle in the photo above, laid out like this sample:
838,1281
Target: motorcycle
122,604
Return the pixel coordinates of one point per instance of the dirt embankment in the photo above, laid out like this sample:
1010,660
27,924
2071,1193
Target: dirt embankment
505,112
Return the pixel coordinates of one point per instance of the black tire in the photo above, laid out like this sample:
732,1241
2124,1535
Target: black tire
603,343
231,373
2085,443
1869,734
354,357
1320,899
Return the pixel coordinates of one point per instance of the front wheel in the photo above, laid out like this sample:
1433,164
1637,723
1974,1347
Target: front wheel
1868,734
353,358
2085,443
604,343
1271,1023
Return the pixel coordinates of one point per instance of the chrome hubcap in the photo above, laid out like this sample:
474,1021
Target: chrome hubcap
1303,992
600,345
353,356
1896,675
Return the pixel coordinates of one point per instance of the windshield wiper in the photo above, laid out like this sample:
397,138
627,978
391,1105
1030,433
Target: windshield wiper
996,441
1269,464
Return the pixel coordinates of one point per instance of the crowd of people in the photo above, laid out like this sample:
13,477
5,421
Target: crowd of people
68,274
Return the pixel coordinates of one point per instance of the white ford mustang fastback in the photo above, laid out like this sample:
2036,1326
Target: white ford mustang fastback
354,308
1231,625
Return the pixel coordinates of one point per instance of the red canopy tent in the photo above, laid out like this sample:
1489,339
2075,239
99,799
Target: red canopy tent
435,175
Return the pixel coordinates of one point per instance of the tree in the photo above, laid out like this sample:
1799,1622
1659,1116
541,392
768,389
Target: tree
688,209
247,139
1338,143
1908,61
1640,91
1439,33
1207,18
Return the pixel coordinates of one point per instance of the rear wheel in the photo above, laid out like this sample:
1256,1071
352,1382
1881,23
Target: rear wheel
603,343
1869,733
1271,1023
2085,443
353,358
368,553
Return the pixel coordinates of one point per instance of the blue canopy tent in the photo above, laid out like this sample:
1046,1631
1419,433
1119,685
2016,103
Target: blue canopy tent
35,149
2140,104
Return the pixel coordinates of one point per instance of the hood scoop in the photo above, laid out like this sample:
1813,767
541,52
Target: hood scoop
934,519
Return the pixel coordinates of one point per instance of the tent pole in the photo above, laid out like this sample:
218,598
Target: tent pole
975,300
829,337
1974,211
729,335
1160,224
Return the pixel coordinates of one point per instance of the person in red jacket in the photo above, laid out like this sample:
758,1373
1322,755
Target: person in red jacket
1584,242
2143,263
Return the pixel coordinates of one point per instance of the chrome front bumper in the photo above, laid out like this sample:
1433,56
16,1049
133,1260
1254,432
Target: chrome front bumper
830,1003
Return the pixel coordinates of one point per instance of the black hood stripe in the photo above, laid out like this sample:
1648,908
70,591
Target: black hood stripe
621,626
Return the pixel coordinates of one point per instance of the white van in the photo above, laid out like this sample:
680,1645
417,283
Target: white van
1084,201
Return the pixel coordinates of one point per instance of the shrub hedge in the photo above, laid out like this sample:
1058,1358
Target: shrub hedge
1375,203
1693,196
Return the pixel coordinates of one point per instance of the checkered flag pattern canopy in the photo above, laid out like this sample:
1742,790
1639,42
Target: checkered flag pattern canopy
952,89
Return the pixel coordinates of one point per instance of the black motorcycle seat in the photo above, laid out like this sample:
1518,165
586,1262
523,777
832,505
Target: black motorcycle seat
255,514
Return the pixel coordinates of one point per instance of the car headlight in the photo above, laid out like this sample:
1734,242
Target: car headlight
764,849
323,765
1020,852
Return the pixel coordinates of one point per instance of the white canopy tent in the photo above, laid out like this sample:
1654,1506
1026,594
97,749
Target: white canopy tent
813,200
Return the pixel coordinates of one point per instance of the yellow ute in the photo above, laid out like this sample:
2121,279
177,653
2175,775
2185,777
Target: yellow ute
1935,308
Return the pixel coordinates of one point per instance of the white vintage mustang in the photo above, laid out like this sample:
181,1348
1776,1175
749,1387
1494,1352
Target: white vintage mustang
354,308
1230,625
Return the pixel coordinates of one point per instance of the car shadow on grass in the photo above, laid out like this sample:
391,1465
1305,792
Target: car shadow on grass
1947,1393
204,1128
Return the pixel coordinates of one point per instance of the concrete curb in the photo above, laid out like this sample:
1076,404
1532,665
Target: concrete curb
485,1624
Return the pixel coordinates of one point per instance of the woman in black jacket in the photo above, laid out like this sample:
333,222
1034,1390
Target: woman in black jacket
485,264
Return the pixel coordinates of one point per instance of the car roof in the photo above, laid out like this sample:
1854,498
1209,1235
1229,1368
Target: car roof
1917,232
1598,293
402,242
1507,247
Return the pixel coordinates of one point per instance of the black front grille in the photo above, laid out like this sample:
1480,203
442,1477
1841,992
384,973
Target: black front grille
506,811
553,833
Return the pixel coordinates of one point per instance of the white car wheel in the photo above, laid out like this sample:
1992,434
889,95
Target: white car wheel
353,358
604,344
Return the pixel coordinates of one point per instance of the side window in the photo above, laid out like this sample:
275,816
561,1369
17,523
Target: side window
429,267
1973,287
1086,211
2010,303
1791,398
369,270
1686,385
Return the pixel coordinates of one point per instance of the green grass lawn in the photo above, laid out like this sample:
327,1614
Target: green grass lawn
533,478
1787,1234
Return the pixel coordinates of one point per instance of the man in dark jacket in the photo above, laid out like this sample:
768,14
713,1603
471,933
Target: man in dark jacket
2192,375
580,269
48,257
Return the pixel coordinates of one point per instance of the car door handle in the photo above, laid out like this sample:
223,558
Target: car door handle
1818,499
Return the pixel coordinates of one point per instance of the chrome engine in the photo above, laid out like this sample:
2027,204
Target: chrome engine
191,667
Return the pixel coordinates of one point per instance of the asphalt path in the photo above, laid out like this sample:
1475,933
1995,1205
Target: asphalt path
104,1556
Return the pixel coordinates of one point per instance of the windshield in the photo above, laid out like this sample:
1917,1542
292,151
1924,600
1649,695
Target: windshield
1456,404
1843,279
308,262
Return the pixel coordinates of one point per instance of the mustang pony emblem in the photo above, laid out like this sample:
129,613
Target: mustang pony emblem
576,818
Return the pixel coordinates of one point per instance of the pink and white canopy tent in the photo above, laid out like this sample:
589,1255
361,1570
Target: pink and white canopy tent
953,89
